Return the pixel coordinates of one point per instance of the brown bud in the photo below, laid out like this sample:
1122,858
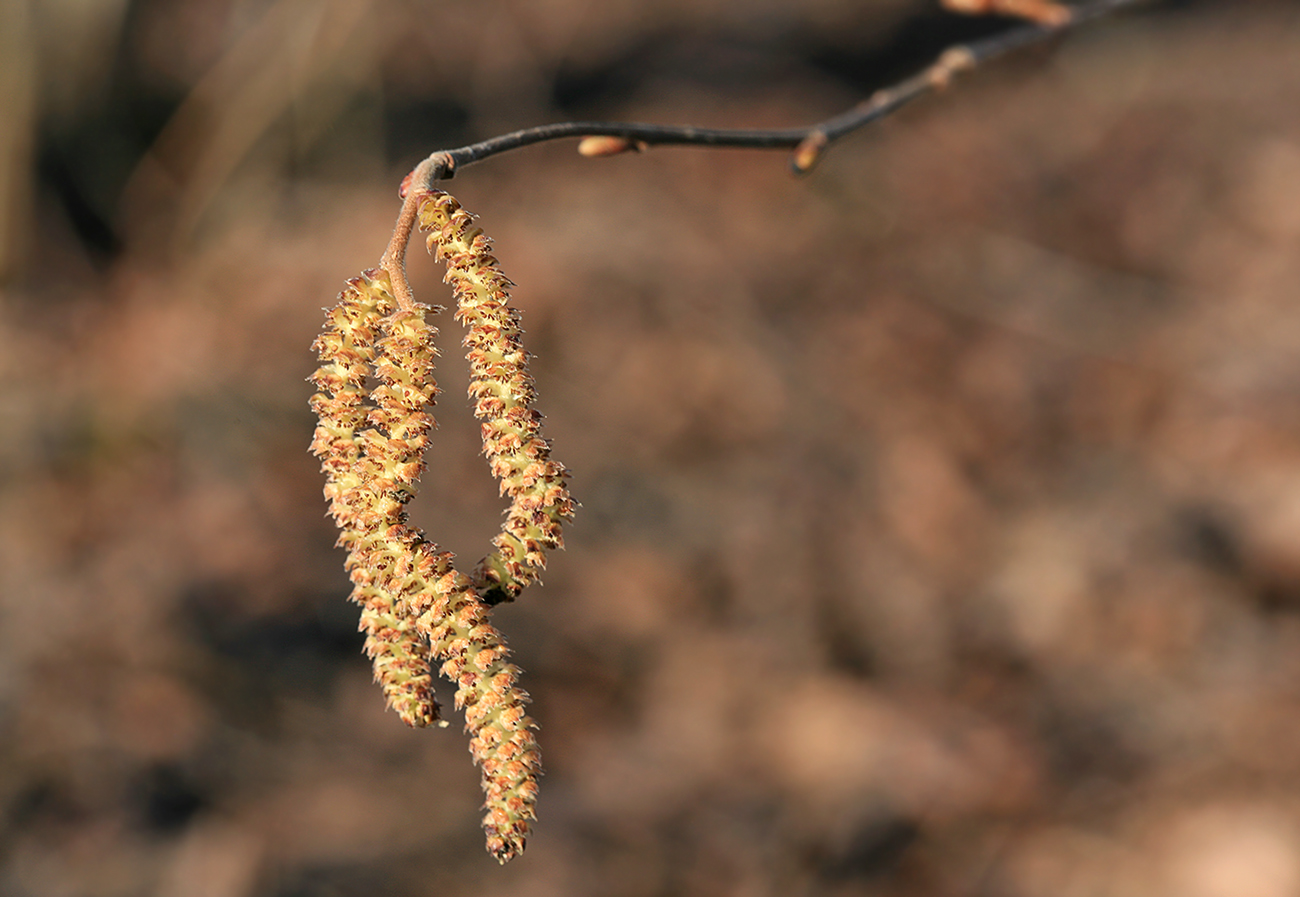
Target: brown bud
609,145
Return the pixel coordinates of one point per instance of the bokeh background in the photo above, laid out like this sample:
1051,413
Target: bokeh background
940,510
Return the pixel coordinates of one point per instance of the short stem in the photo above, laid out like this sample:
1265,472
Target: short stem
393,261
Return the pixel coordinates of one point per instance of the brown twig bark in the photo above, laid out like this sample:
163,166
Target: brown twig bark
809,142
393,261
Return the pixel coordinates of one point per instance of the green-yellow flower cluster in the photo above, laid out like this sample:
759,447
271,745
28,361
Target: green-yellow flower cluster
503,392
417,609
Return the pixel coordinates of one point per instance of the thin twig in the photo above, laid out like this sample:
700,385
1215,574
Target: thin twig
808,142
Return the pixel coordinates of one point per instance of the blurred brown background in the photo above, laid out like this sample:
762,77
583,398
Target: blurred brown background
940,509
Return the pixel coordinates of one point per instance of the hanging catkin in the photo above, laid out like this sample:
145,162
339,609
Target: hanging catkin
417,608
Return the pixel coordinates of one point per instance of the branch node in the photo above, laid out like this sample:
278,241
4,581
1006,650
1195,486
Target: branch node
951,62
442,167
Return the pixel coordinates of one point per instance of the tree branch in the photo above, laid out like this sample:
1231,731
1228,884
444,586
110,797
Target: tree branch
808,143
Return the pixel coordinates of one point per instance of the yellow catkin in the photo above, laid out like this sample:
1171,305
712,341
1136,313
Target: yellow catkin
415,604
503,393
347,351
474,656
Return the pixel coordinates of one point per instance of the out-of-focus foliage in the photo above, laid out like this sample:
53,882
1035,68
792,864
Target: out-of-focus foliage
940,510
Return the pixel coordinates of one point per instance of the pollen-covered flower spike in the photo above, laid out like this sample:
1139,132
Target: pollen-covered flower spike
474,655
358,504
503,392
415,605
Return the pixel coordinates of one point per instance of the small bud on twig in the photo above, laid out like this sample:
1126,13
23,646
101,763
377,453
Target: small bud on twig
1044,12
606,145
809,152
